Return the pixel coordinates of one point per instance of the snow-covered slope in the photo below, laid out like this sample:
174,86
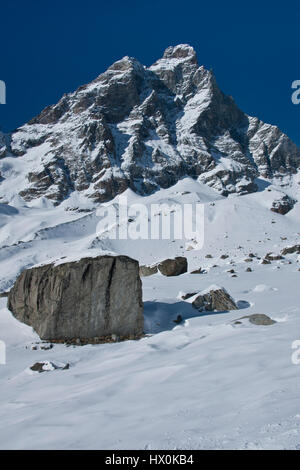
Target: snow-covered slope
144,129
205,383
41,234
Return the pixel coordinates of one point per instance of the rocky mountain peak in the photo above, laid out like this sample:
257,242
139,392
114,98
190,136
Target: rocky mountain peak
144,129
181,52
126,63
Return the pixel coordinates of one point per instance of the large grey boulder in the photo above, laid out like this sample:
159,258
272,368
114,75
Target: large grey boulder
93,297
215,299
173,267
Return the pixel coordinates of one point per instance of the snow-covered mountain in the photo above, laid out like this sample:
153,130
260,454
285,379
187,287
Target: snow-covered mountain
143,128
167,136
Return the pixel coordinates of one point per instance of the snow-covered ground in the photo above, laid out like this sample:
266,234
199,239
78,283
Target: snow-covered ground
207,383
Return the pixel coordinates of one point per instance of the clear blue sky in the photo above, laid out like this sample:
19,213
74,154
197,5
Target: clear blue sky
52,47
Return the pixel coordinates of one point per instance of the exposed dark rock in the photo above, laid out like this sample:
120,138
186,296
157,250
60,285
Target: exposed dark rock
291,250
41,346
259,319
198,271
47,366
284,205
91,297
188,295
4,139
4,294
148,270
215,299
173,267
273,257
178,319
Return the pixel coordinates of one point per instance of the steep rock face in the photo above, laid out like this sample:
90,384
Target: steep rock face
89,298
144,128
3,144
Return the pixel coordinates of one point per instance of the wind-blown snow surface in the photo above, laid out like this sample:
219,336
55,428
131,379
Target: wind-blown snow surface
205,383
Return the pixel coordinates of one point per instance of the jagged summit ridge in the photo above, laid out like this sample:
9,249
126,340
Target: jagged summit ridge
143,128
181,51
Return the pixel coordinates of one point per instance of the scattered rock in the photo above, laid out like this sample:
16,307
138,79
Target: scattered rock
178,319
188,295
173,267
273,257
248,270
48,366
290,250
98,340
40,346
283,205
198,271
215,299
259,319
265,261
224,256
148,270
208,256
4,294
248,260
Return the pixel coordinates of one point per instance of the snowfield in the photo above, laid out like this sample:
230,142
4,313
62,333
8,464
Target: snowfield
206,383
